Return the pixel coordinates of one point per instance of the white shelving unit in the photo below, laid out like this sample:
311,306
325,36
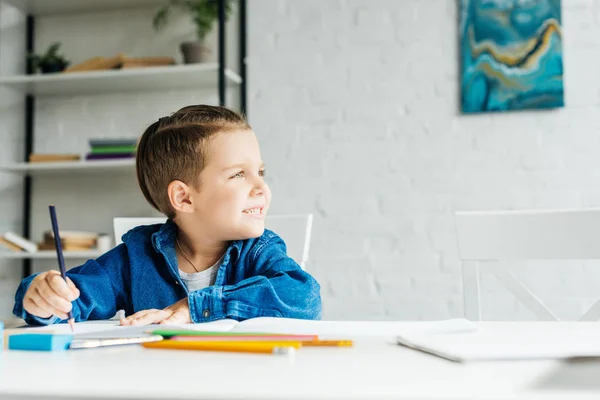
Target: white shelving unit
129,80
58,7
49,255
149,79
72,167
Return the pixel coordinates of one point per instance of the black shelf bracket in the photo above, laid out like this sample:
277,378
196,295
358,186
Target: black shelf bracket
29,126
222,55
243,50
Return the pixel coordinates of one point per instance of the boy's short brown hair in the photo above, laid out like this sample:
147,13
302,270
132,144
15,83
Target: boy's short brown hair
174,148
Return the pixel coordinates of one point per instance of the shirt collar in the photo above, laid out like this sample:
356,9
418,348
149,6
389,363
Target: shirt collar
164,239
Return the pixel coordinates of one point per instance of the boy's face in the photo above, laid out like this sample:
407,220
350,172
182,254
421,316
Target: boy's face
233,198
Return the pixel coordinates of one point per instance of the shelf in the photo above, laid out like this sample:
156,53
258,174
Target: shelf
70,167
57,7
48,255
183,76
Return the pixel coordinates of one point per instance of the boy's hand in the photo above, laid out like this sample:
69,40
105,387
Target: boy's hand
49,294
178,313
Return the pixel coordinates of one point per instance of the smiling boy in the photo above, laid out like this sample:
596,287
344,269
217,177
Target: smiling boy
212,259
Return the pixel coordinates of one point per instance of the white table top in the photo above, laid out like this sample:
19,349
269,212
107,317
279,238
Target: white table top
375,368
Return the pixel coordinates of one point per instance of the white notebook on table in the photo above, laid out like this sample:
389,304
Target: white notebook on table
496,345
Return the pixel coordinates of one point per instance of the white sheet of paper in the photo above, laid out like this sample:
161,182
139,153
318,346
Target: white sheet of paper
352,328
521,344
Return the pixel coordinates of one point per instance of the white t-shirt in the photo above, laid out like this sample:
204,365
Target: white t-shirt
202,279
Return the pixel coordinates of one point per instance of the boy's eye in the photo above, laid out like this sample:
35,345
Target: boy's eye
262,172
239,175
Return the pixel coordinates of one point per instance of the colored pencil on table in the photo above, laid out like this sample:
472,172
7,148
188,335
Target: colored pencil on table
328,343
167,333
244,338
61,259
238,347
309,342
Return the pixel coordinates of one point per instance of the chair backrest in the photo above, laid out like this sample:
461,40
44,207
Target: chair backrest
488,238
295,230
533,234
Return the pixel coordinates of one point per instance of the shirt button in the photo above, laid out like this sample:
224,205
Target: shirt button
206,313
177,283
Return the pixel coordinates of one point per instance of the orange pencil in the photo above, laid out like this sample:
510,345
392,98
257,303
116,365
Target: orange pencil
282,348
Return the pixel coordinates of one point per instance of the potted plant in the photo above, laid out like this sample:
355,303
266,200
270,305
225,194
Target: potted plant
203,13
48,62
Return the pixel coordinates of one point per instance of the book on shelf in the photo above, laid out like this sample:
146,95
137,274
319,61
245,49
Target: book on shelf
40,157
92,157
70,241
113,150
96,64
112,142
65,247
141,62
119,61
8,245
21,242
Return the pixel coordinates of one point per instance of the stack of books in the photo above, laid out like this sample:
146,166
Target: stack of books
12,241
70,241
110,149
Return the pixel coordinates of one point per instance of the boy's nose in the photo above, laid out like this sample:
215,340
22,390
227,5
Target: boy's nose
257,190
259,187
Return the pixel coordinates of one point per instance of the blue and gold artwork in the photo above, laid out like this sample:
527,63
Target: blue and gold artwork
511,55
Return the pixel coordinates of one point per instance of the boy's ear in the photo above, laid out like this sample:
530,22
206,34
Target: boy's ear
180,196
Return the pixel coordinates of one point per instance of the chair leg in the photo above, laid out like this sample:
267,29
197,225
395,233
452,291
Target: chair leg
471,293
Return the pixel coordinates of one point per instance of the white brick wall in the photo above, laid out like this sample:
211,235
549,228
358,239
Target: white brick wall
356,106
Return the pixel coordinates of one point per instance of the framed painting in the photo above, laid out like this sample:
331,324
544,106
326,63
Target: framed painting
511,55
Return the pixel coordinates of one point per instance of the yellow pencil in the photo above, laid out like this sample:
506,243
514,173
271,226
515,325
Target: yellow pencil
328,343
286,347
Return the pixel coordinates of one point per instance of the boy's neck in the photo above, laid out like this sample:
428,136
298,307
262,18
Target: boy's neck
202,251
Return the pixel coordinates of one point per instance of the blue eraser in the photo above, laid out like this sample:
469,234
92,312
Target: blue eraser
39,342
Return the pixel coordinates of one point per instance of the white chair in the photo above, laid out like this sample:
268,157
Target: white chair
295,230
488,239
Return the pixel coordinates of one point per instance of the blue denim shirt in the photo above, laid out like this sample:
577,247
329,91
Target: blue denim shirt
255,279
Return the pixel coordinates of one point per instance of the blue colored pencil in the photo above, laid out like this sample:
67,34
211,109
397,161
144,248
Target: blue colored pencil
61,259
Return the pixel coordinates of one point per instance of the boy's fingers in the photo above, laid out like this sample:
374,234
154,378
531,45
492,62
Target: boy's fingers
60,286
47,274
175,318
73,288
41,302
47,307
140,314
55,300
152,317
133,317
32,308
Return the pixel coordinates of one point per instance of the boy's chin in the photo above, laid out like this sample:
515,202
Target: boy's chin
250,232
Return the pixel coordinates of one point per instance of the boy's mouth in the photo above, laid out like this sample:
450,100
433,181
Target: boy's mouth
254,211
